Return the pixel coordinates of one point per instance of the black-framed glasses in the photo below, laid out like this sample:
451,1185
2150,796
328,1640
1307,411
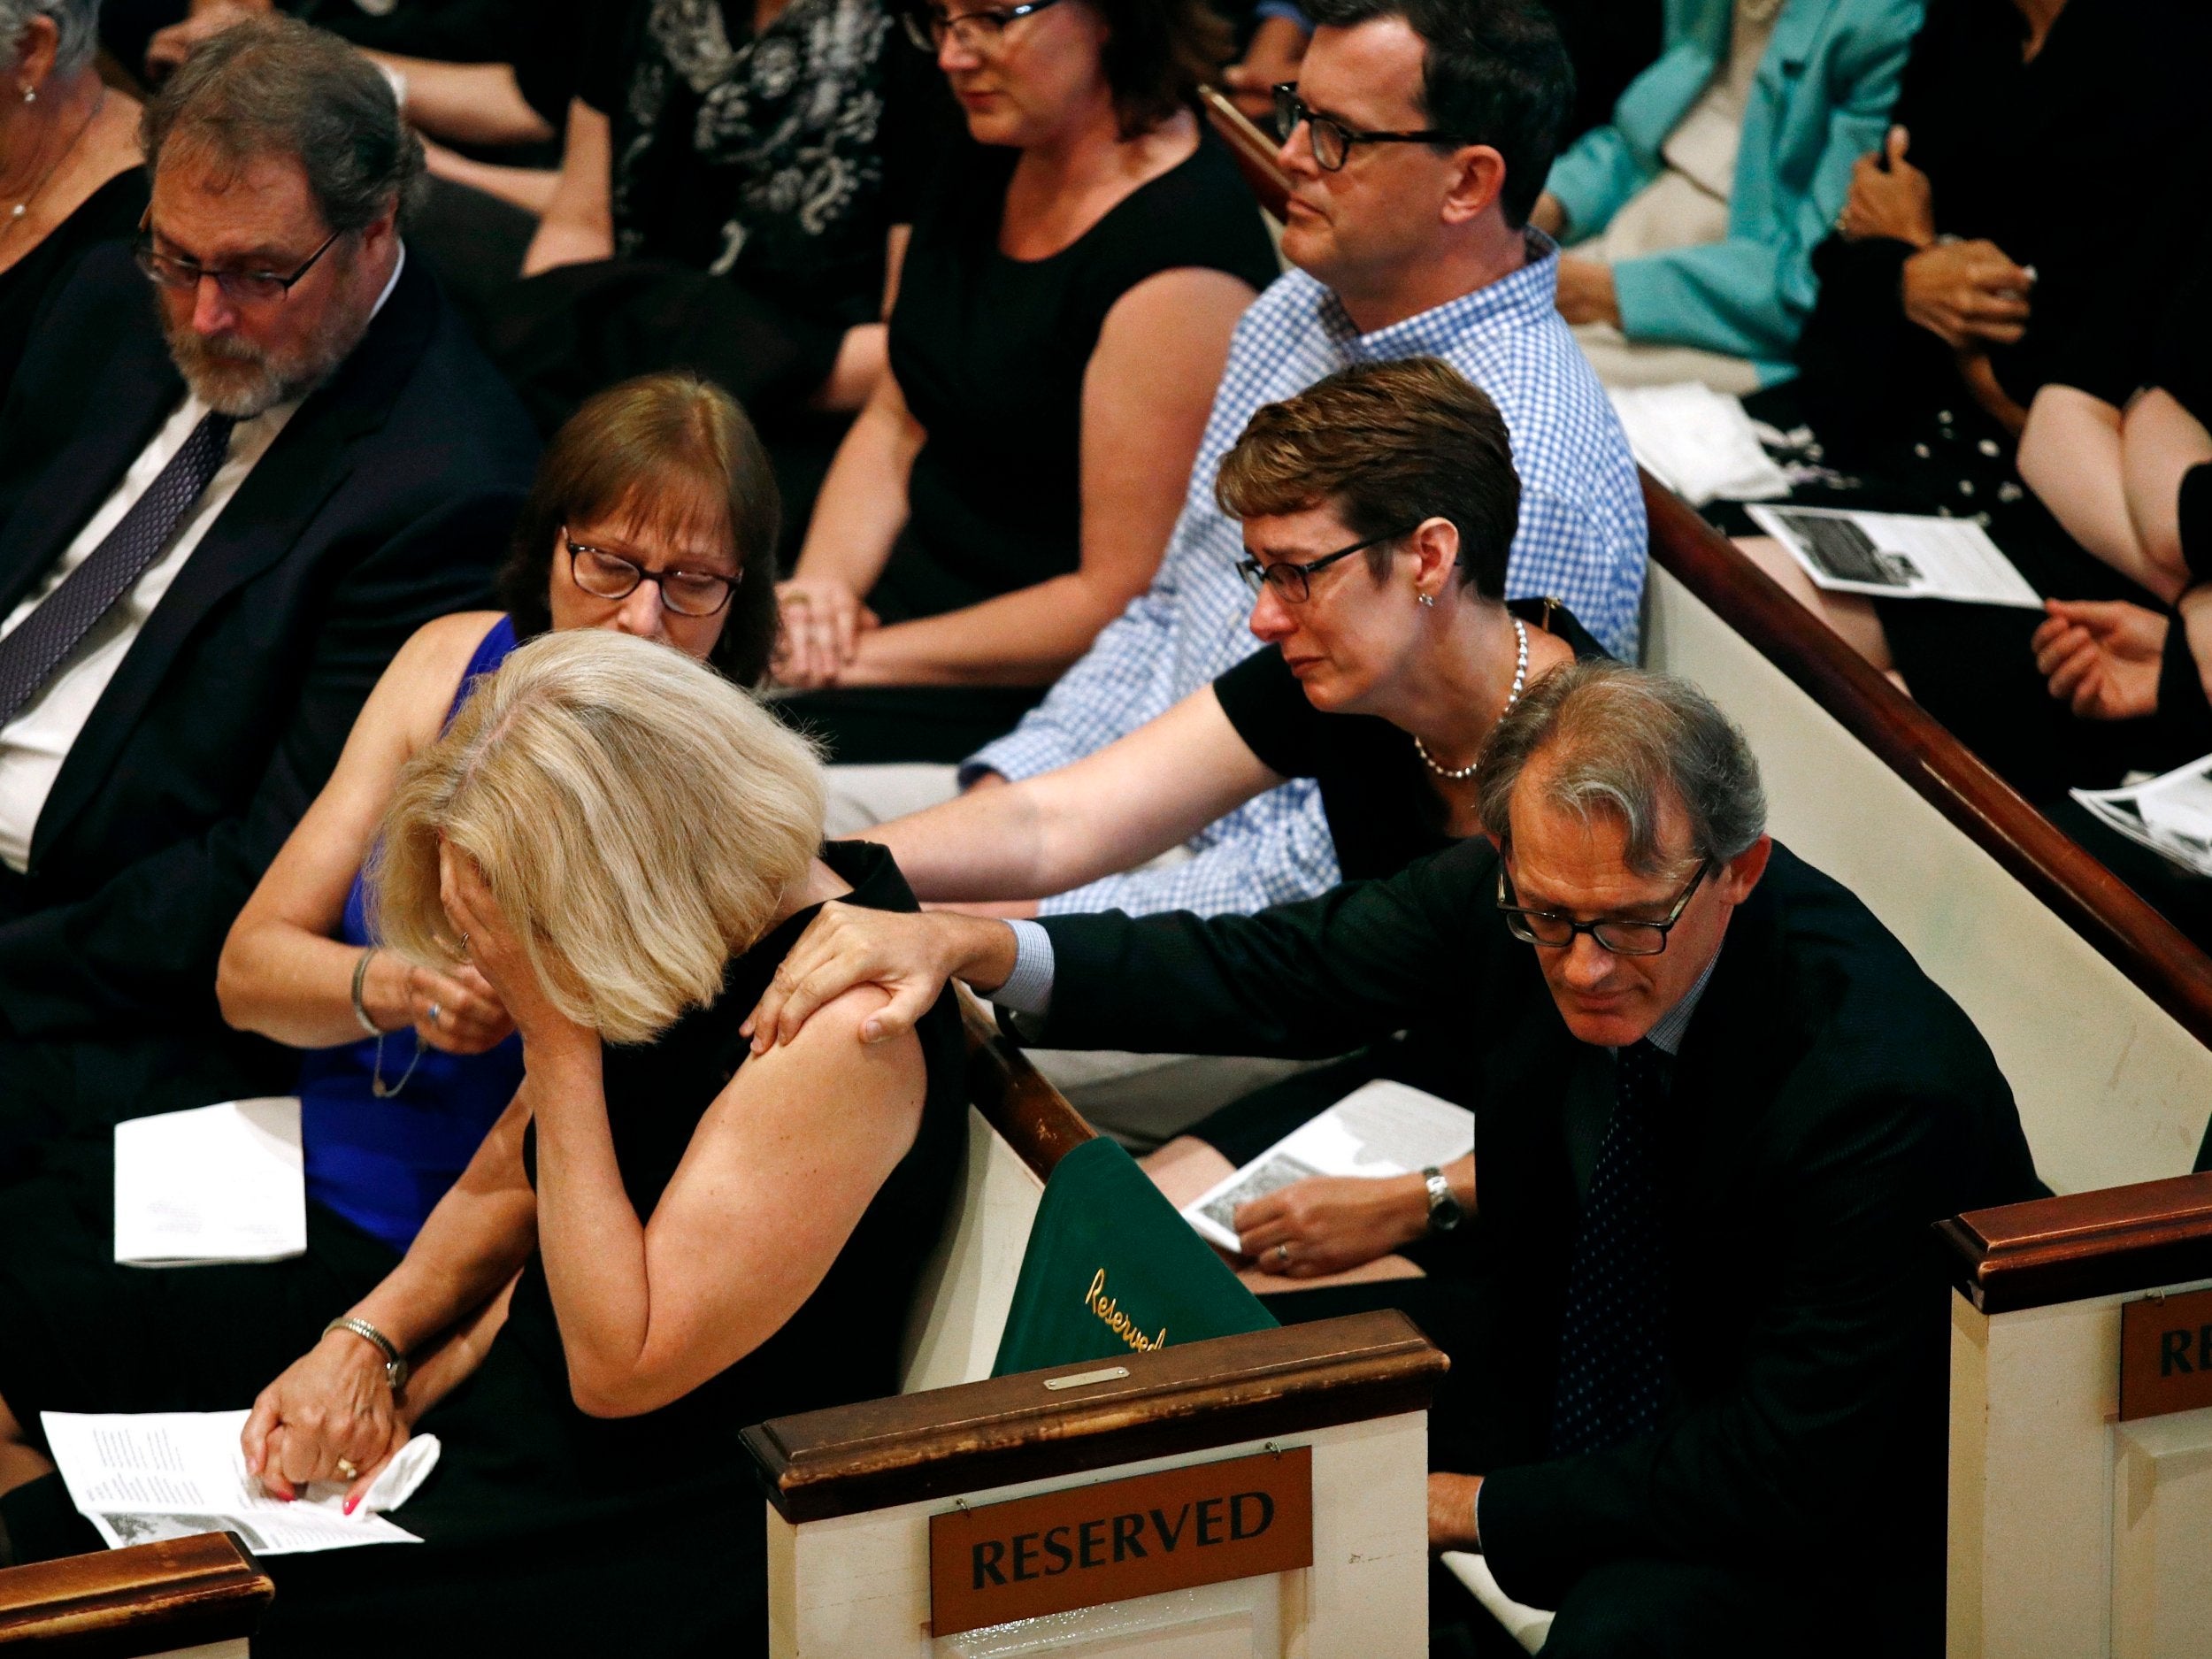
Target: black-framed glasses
1294,582
1330,138
980,31
605,575
248,288
1618,935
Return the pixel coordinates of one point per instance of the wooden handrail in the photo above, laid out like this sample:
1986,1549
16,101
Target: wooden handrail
1029,1114
1294,1378
2101,1243
122,1603
2089,898
1253,151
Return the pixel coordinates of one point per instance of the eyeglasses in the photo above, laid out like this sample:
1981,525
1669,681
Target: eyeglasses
241,288
1294,583
605,575
1617,934
981,31
1331,140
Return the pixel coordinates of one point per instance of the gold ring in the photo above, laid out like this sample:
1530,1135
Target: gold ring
347,1469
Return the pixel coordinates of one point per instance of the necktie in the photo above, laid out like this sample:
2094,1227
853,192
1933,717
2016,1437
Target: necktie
1612,1349
29,655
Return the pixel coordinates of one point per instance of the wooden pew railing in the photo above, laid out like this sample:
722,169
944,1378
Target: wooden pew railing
2071,1531
2128,933
128,1603
1254,152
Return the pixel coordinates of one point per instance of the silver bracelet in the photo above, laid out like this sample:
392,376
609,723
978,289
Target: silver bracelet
395,1367
360,1009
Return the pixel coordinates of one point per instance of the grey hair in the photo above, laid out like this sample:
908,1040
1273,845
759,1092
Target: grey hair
1619,741
76,23
273,85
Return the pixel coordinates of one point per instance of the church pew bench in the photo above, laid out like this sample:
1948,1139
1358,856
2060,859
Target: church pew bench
2097,1009
186,1598
1336,1411
2081,1510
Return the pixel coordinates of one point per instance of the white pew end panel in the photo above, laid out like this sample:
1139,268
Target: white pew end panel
2071,1531
852,1492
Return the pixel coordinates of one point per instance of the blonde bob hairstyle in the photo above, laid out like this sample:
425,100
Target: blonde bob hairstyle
639,819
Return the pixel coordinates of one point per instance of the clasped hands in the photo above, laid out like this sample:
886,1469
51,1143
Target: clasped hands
1969,294
330,1412
823,621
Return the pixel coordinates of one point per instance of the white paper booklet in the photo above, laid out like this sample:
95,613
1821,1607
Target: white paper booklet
217,1184
1381,1128
1698,442
2170,815
170,1474
1898,555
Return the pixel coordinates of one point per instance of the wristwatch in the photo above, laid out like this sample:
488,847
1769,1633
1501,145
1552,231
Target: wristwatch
1445,1211
395,1366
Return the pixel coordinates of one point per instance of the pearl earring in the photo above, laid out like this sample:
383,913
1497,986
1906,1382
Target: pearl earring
1428,601
30,95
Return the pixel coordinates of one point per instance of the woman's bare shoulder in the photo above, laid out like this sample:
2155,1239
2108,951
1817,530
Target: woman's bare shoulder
418,688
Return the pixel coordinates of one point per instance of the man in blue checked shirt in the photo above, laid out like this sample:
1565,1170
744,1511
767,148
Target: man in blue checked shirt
1417,139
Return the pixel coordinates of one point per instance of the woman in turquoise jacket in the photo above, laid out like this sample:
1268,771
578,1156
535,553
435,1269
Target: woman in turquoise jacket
1819,99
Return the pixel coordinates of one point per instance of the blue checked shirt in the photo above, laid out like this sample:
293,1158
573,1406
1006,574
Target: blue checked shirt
1580,540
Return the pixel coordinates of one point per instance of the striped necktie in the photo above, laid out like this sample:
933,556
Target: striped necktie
1612,1346
29,655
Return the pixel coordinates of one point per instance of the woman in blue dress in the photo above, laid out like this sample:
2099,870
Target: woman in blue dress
654,513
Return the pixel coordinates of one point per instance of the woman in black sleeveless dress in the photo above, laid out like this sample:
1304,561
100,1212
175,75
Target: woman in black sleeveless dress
1063,316
702,1241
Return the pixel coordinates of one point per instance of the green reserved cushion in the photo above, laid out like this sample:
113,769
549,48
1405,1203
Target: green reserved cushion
1111,1270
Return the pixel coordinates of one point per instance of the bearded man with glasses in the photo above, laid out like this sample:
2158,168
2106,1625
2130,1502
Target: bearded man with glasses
1698,1398
233,479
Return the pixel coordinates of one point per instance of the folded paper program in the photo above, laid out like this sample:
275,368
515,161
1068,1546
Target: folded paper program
141,1477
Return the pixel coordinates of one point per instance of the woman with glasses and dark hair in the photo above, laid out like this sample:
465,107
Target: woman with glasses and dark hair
1378,506
1063,317
653,514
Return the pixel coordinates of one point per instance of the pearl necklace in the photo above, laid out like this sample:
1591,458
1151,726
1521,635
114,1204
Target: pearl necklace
16,213
1459,774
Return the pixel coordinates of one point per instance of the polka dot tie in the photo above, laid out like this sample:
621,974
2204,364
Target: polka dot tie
42,641
1612,1346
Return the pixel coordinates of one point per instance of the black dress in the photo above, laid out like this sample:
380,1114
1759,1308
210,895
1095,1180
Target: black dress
754,180
1383,815
1375,792
550,1529
111,212
990,352
2107,113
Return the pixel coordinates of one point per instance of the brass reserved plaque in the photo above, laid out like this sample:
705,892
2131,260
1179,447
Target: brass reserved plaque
2165,1354
1086,1546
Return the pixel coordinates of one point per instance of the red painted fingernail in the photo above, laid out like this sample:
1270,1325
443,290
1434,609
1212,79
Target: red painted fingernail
349,1503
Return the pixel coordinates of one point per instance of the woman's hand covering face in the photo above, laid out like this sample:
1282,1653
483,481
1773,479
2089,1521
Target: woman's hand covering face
497,956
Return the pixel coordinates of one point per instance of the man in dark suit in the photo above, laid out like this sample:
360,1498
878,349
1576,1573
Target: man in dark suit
1717,1108
224,505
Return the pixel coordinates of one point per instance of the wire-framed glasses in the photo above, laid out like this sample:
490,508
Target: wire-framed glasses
245,287
980,31
1330,138
605,575
1621,935
1294,582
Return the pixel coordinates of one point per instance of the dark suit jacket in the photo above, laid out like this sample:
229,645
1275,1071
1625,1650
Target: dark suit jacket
383,504
1832,1104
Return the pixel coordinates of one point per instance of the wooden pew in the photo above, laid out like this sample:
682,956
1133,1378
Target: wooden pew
2071,1530
1253,150
862,1496
200,1597
2100,1012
